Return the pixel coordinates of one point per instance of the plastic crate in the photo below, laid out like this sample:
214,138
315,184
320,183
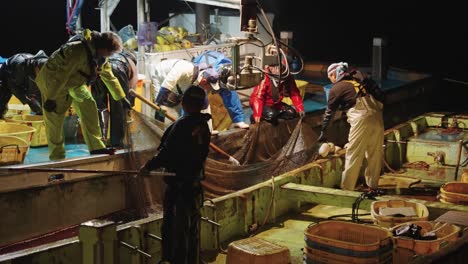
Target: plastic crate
36,121
13,150
17,130
422,213
445,233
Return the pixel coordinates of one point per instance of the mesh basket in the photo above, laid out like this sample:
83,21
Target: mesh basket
36,121
13,150
17,130
422,213
444,232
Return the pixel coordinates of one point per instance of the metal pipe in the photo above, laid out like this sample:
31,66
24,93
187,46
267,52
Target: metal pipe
210,221
104,17
153,236
202,20
66,170
135,249
460,147
396,141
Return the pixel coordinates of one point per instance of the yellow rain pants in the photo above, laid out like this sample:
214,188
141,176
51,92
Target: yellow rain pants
365,138
63,80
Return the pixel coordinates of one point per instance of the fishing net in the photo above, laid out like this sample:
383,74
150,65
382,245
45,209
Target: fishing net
142,139
263,151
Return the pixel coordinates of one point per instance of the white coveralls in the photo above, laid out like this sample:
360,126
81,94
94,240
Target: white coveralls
365,141
173,73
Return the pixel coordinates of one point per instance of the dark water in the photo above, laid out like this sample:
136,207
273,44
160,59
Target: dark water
420,36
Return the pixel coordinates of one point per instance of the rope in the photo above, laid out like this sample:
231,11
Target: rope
418,165
371,194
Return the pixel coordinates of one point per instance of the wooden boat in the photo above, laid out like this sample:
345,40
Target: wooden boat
278,209
234,209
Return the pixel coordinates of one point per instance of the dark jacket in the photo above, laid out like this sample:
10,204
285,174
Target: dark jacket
342,96
183,149
18,79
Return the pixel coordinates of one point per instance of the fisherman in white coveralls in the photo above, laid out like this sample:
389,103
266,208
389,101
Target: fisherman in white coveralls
366,135
172,77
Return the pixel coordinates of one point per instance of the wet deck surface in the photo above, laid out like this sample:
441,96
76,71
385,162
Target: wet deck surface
289,231
41,154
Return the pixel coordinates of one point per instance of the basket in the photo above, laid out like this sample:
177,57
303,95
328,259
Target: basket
13,150
36,121
348,242
320,256
454,193
254,250
422,213
17,130
445,233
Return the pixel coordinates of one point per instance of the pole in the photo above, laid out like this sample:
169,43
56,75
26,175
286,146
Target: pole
67,170
157,108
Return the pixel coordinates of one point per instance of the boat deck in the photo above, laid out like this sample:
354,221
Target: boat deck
41,154
289,232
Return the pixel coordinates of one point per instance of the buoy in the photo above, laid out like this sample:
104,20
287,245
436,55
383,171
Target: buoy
324,150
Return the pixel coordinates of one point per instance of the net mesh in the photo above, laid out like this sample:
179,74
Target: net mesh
263,151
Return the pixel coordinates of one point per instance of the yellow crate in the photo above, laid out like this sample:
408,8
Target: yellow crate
13,150
36,121
17,130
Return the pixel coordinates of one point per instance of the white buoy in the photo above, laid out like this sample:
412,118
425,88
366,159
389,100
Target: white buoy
324,149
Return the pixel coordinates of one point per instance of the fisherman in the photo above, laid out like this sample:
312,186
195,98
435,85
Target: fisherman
266,98
364,113
172,77
17,76
183,150
63,80
124,69
231,101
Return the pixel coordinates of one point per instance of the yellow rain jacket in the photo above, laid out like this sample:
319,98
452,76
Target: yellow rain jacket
64,79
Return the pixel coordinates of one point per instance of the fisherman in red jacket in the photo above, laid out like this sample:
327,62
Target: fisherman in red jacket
266,98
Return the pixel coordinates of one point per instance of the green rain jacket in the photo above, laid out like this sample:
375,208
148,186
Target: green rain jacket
67,69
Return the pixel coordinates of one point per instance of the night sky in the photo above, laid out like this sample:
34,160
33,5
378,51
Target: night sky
425,37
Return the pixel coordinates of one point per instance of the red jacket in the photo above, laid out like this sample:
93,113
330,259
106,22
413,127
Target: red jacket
261,95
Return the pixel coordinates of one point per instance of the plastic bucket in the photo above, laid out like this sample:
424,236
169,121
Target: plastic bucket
13,150
17,130
36,121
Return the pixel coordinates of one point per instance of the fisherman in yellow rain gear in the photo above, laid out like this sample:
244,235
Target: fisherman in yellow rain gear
63,81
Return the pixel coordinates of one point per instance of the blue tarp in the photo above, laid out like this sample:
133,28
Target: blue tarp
2,60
